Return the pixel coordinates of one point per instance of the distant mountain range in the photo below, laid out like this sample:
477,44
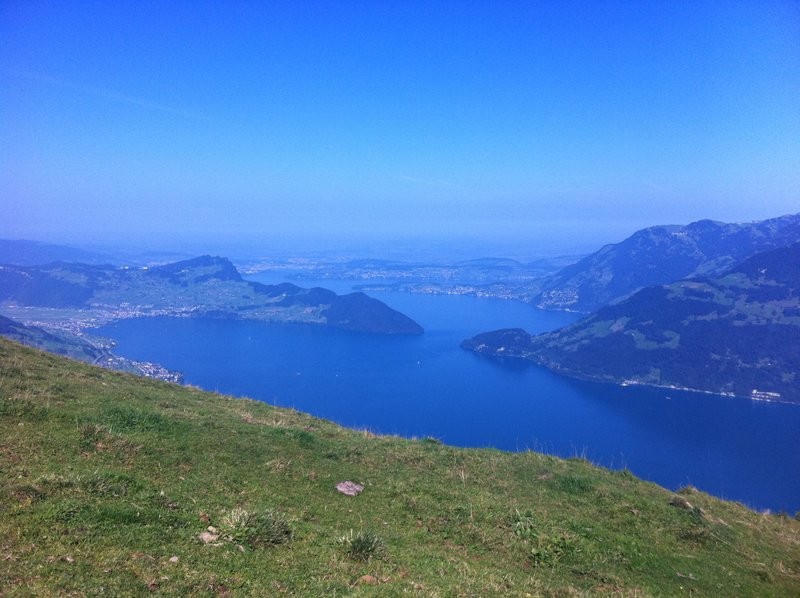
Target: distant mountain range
734,333
655,255
204,286
22,252
33,253
659,255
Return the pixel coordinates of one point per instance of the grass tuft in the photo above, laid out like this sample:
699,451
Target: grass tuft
23,408
91,434
549,549
256,529
574,484
432,440
126,418
524,525
362,546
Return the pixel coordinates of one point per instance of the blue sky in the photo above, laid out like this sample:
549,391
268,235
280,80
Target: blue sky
531,122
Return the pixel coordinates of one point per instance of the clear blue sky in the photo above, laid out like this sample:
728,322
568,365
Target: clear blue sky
524,120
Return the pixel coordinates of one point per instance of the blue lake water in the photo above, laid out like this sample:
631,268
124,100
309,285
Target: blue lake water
428,386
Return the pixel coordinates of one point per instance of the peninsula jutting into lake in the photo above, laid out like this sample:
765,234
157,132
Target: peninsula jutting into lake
201,287
60,303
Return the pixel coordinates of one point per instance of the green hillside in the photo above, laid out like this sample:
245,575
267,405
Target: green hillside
203,286
734,334
126,486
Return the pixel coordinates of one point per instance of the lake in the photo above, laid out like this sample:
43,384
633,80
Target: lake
427,386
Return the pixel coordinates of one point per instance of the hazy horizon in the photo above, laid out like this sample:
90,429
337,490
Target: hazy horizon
553,127
408,249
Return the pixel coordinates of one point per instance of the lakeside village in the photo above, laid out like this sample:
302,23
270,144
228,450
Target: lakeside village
71,326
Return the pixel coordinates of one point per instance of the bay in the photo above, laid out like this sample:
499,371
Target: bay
427,385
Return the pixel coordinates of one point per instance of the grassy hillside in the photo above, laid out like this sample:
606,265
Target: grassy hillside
733,334
109,481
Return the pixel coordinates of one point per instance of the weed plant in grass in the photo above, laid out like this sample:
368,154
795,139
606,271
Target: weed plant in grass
256,529
109,483
362,545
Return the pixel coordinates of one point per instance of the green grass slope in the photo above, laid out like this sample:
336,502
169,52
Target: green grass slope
126,486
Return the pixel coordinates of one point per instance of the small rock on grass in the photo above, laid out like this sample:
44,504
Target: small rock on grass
349,488
210,535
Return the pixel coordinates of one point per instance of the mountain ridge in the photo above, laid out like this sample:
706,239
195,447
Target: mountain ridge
22,252
734,334
659,255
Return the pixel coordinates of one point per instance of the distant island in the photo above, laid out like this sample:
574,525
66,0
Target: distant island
81,295
737,333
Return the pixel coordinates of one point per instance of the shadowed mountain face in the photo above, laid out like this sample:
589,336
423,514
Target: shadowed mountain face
357,311
203,286
659,255
737,333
